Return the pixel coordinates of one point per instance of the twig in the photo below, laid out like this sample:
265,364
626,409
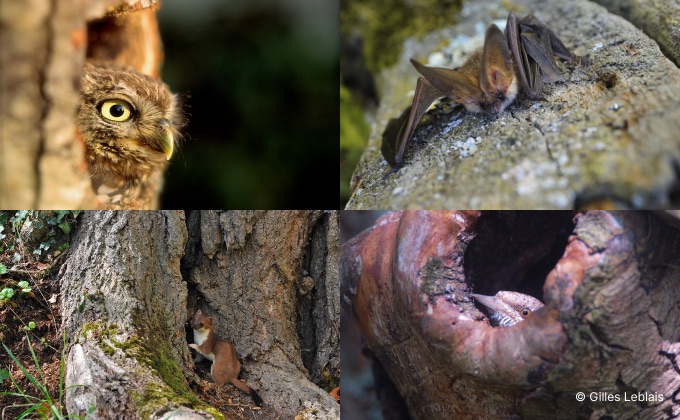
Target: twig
37,272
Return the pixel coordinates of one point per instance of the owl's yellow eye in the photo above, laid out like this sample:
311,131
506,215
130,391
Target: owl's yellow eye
116,110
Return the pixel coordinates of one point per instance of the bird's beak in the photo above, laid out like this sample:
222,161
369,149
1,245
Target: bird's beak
167,139
488,301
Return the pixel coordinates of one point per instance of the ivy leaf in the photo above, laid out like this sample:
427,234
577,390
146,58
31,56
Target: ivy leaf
4,375
7,293
65,227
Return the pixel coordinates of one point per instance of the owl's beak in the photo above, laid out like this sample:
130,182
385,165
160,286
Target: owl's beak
167,139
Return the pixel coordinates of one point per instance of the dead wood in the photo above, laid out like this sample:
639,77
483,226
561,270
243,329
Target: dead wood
44,47
610,325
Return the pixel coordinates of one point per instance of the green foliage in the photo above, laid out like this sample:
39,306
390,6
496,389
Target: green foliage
24,286
4,375
385,25
353,128
44,246
44,405
18,220
65,219
6,293
3,269
31,326
48,230
353,135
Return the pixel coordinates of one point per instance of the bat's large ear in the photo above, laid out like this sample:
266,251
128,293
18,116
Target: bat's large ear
458,85
496,72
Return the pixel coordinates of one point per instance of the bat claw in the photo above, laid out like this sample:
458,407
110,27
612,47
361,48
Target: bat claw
394,169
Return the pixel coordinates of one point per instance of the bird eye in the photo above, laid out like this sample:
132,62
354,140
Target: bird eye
525,312
501,97
116,110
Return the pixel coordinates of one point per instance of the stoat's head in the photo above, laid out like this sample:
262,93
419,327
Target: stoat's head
202,322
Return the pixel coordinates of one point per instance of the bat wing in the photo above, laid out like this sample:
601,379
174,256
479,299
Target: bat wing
436,82
399,130
532,81
452,83
534,46
538,47
531,24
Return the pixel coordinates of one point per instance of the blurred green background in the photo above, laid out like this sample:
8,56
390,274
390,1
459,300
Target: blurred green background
259,79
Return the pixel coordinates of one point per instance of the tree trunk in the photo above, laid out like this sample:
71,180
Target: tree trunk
43,46
131,277
270,281
609,328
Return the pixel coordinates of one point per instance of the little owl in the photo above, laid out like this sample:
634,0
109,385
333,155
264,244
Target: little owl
129,123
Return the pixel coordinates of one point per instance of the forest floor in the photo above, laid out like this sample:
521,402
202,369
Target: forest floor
30,323
233,403
39,309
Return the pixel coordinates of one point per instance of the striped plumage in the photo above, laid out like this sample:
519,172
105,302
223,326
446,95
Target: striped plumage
508,308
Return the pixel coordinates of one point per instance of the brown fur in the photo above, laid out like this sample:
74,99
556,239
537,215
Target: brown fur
226,366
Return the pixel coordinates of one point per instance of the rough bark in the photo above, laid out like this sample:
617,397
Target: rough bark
43,47
124,310
130,277
610,326
270,280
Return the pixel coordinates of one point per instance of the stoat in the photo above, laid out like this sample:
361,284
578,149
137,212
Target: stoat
225,365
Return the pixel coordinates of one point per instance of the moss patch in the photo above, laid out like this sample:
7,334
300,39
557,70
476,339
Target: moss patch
156,397
329,381
172,391
385,25
103,334
437,279
95,297
353,136
99,329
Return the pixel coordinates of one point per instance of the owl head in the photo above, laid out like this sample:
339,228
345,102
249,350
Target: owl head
129,123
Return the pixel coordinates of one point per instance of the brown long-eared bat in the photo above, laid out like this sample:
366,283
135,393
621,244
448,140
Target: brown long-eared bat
488,81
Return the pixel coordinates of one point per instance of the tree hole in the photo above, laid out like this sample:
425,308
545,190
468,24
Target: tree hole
608,80
515,251
126,40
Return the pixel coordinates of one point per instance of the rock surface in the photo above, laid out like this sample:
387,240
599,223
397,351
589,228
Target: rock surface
608,136
660,19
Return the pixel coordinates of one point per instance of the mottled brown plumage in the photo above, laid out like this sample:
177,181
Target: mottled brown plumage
129,123
508,308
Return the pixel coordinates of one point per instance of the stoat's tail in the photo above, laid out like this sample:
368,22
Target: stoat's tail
248,390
